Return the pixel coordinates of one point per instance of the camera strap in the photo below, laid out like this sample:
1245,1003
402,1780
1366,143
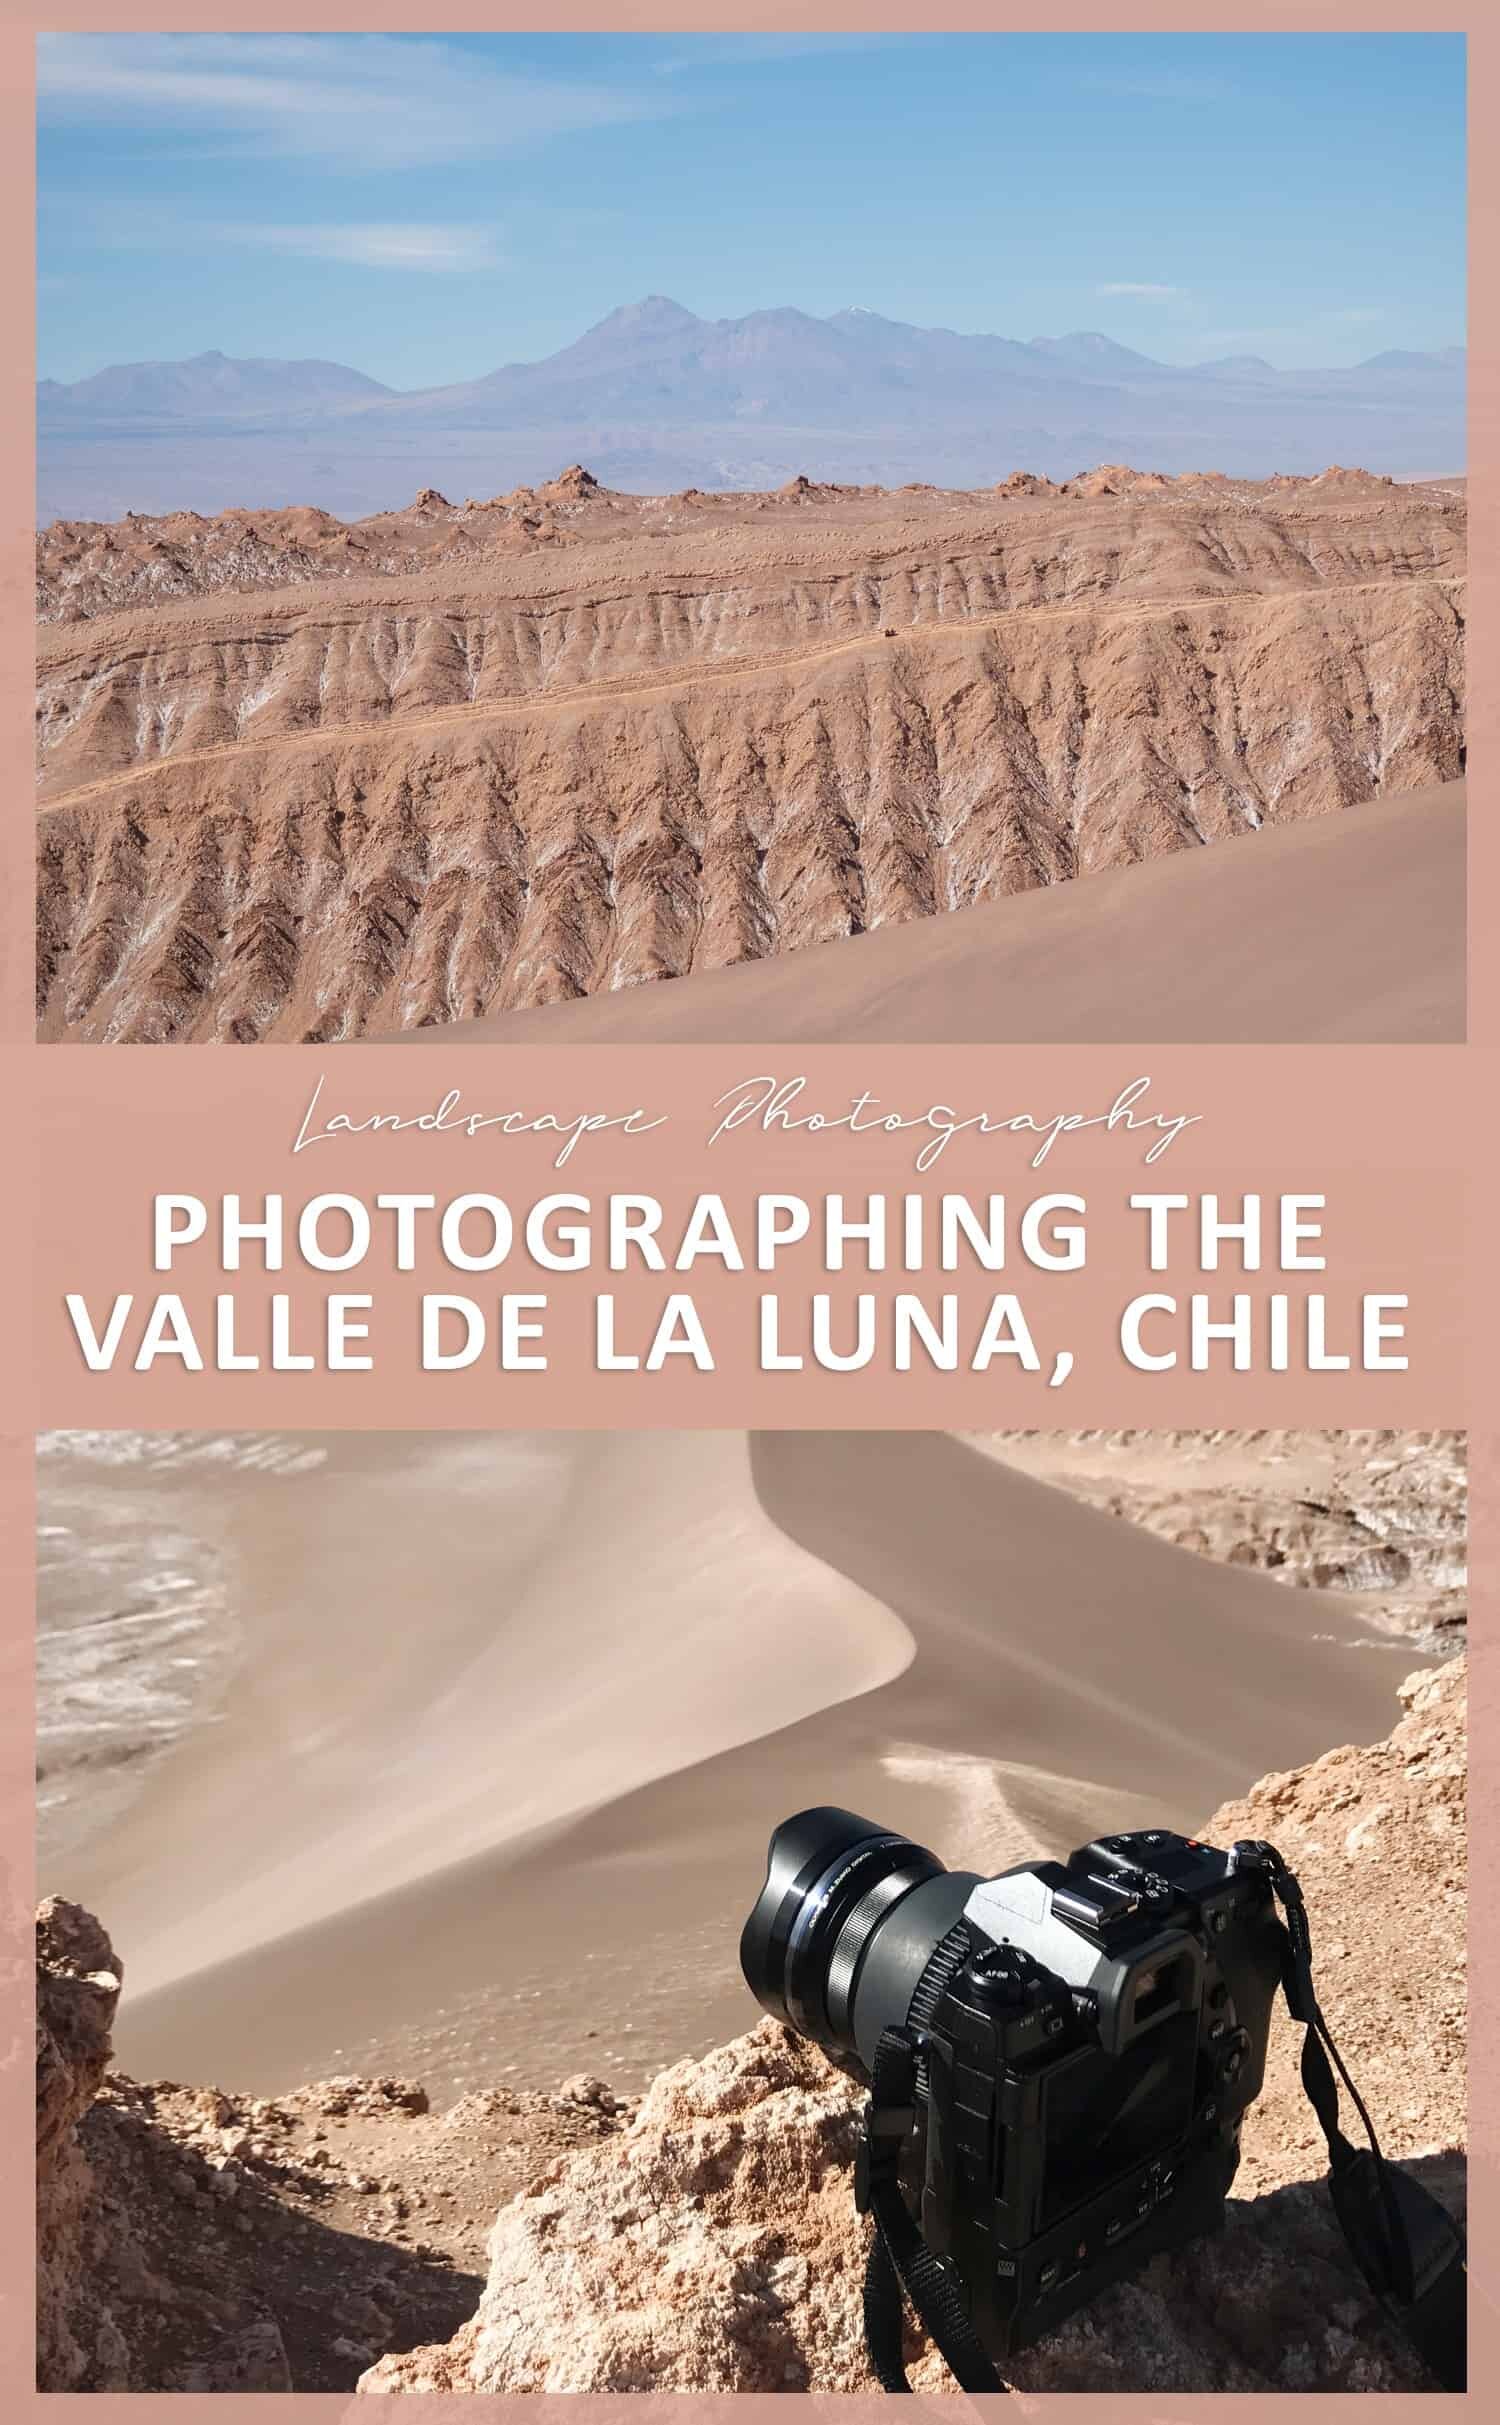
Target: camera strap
1403,2239
1405,2243
900,2259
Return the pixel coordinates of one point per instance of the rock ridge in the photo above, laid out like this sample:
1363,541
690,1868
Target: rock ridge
192,2239
302,782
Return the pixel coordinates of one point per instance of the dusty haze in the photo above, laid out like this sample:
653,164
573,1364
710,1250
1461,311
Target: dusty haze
658,398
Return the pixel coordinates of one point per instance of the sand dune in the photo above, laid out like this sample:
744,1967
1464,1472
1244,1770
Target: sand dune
449,1645
1345,930
514,1718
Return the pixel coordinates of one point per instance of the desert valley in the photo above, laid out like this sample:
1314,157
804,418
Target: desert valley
479,1923
308,780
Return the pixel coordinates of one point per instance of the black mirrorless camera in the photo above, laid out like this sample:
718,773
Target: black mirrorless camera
1060,2056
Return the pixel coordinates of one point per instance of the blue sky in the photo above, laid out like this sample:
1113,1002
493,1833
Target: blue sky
429,208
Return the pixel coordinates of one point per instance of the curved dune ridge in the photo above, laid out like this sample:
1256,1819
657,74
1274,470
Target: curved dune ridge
515,1714
1348,930
450,1645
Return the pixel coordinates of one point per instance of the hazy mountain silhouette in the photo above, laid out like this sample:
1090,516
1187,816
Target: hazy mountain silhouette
207,386
655,398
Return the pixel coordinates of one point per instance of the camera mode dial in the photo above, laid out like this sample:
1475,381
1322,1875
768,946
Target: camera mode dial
1002,1978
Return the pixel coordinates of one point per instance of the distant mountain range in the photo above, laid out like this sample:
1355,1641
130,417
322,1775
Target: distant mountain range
653,398
206,387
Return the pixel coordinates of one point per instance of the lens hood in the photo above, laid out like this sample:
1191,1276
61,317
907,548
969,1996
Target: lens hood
824,1866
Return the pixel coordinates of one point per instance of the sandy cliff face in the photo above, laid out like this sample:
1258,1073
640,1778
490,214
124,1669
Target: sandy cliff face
192,2239
579,745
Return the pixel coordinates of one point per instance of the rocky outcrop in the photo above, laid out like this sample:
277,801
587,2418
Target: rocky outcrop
129,2296
1382,1514
719,2252
1379,1838
193,2240
85,569
714,2246
478,778
79,2345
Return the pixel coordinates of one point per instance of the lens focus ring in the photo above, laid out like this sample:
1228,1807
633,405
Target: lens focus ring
854,1937
830,1879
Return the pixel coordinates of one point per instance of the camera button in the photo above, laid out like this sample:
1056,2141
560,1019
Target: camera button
1232,2061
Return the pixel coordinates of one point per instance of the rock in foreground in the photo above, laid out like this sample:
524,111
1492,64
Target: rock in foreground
190,2240
714,2246
78,1986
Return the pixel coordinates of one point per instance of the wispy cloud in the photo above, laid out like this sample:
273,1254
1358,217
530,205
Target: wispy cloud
126,224
354,100
394,245
1142,288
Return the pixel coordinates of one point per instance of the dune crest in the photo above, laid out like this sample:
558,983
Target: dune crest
515,1716
1348,929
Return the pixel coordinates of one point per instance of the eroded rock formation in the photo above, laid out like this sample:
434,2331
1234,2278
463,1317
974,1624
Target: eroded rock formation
79,2345
492,757
193,2240
1383,1514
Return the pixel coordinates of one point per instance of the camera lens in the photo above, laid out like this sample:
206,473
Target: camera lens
844,1927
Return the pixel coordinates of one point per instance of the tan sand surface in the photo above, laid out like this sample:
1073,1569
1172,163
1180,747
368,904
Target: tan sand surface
450,1643
490,1791
1346,930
